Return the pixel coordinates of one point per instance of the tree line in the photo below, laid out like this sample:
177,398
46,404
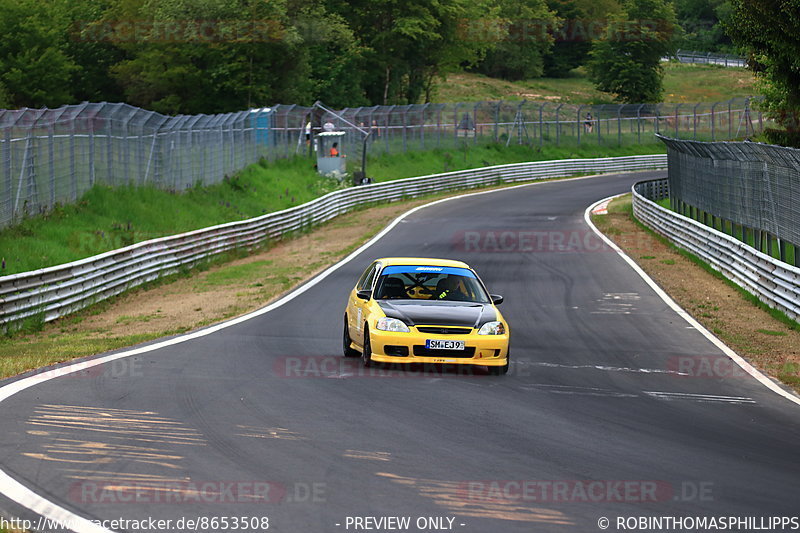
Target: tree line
209,56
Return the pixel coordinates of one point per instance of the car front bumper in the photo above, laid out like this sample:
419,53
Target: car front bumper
485,350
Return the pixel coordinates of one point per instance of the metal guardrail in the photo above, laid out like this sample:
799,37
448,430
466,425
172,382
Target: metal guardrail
709,58
53,292
772,281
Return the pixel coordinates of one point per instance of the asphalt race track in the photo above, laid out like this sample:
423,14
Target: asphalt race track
613,407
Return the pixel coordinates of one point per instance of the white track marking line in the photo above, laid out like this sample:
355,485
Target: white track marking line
747,367
700,397
38,504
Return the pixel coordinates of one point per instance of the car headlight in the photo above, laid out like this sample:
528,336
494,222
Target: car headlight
492,328
391,324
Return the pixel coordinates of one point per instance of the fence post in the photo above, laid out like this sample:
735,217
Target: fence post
422,125
51,161
541,122
8,186
730,121
475,123
599,113
72,171
455,124
497,120
639,123
713,121
558,124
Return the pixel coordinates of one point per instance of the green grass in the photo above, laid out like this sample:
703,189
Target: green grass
19,356
236,273
790,373
772,332
706,83
682,83
105,219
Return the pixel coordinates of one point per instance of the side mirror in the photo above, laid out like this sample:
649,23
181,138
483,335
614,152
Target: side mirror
364,295
496,299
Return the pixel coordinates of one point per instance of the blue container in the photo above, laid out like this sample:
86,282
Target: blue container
260,120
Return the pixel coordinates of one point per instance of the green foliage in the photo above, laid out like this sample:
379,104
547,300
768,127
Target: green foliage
334,56
571,47
703,23
626,62
35,71
213,59
522,40
212,56
407,45
768,31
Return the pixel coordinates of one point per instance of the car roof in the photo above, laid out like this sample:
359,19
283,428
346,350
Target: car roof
421,261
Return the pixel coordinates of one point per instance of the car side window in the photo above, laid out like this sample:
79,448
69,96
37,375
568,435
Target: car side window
365,283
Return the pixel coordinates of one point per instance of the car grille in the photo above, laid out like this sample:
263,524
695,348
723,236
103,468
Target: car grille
444,331
421,351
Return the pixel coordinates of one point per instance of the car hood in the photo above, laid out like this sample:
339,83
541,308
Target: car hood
463,314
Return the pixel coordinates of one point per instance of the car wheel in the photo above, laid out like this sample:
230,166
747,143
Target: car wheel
500,370
346,342
366,355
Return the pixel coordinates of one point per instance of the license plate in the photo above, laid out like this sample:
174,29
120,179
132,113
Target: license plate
441,344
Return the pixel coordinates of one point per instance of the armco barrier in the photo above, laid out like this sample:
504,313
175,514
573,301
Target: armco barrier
53,292
774,282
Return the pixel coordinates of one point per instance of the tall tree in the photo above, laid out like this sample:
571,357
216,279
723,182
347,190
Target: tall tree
92,52
334,57
572,42
407,43
626,62
703,22
35,71
523,42
203,56
768,30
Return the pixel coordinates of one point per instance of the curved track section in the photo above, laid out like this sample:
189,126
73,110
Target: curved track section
614,405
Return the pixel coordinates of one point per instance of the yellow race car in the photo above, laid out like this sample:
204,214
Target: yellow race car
416,310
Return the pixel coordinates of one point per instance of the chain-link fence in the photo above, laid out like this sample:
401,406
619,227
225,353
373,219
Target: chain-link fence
51,156
457,125
749,190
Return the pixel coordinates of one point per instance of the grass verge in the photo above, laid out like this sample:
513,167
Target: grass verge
682,83
106,219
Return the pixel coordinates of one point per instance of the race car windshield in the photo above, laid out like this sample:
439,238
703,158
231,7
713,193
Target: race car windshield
430,283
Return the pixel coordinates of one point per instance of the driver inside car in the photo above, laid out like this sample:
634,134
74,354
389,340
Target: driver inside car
449,288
